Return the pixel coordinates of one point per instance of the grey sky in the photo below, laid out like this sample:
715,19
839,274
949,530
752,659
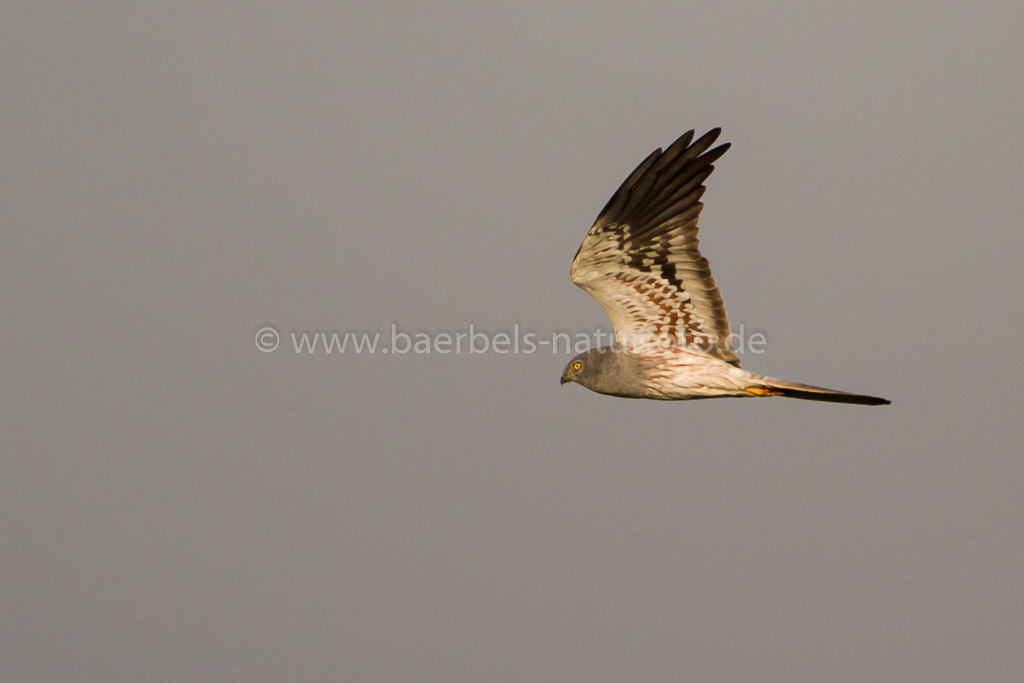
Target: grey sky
177,505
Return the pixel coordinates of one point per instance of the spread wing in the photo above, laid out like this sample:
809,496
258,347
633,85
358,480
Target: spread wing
641,260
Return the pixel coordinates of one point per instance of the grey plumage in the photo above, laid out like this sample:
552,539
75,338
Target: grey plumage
607,371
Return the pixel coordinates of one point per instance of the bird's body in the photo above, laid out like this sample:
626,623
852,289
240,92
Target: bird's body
641,262
667,373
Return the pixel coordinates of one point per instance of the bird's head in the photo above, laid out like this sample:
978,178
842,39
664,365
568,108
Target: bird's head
583,369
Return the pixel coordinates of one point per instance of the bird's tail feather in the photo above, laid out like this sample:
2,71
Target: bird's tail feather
769,386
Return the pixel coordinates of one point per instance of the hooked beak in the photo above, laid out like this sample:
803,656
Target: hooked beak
565,378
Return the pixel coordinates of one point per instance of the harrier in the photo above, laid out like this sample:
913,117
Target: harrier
641,262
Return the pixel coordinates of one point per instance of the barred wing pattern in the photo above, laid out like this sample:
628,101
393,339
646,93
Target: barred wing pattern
641,262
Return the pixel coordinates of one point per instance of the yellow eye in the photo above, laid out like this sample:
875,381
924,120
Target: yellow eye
577,366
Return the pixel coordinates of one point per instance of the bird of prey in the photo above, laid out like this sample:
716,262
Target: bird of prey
641,262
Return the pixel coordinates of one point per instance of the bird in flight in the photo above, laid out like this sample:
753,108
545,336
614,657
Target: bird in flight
641,262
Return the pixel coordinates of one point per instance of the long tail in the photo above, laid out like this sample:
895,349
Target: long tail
769,386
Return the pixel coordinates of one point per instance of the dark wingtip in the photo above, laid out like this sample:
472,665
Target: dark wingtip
685,139
709,137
